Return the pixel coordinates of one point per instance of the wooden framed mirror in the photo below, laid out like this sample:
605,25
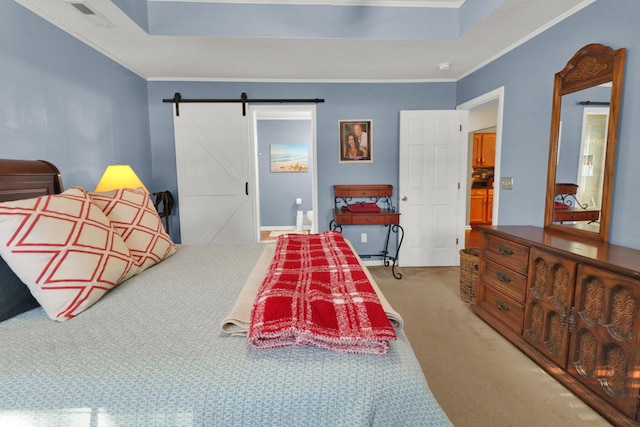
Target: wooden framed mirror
582,147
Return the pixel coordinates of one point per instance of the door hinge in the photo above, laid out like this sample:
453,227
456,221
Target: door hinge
458,185
456,241
461,128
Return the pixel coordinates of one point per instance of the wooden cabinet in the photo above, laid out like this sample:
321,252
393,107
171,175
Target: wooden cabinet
484,150
481,206
573,306
549,297
603,352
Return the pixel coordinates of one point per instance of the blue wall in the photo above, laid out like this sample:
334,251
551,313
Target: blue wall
278,191
380,103
64,102
527,76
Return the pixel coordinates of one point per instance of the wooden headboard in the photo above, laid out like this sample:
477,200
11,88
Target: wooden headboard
24,179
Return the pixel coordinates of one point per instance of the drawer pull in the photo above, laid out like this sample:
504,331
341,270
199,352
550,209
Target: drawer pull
503,277
501,305
505,250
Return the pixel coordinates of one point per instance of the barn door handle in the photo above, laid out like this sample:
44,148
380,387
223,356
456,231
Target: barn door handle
246,188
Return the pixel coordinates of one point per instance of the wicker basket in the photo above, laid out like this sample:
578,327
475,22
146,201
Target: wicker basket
469,274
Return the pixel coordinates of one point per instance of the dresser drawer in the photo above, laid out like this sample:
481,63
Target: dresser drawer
364,190
349,218
504,279
507,253
376,219
575,214
369,219
503,308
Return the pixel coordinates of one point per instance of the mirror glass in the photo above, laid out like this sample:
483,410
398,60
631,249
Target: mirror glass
583,141
581,158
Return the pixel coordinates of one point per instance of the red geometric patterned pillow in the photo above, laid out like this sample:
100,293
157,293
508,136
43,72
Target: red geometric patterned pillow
64,249
134,217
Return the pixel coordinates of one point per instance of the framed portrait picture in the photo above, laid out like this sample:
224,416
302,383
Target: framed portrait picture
355,141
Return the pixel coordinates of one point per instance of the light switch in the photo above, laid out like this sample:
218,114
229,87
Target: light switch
506,183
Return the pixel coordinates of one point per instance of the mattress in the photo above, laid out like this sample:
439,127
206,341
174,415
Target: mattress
151,353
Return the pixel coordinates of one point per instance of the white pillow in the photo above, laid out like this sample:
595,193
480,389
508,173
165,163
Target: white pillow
64,249
136,219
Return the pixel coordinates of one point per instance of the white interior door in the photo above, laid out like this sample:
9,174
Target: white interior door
430,143
214,166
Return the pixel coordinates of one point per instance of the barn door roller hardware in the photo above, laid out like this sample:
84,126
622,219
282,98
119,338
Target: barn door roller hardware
177,99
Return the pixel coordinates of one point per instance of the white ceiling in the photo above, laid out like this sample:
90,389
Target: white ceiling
305,59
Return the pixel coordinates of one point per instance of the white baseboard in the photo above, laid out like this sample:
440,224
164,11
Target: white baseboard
276,228
373,263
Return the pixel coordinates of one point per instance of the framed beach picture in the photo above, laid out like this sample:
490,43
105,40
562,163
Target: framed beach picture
289,158
355,141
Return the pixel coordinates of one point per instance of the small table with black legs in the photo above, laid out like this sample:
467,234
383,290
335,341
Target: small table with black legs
380,194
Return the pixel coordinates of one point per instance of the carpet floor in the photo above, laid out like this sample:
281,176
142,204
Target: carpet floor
477,376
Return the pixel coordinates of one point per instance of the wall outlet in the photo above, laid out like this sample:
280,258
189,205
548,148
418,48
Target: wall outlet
363,237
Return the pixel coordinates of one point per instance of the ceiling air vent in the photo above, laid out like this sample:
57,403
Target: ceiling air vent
82,8
95,17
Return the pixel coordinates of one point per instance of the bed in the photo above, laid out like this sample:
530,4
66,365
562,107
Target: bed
151,352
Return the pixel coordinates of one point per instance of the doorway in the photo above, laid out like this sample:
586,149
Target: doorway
284,191
485,113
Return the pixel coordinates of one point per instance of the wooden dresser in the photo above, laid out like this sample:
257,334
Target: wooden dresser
572,305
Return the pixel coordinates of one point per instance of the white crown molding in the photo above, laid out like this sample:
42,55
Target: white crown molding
259,80
377,3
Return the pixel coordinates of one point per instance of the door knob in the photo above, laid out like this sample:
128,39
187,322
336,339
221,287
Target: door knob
404,198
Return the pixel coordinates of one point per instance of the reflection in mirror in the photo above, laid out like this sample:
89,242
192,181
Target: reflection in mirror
584,124
581,158
592,155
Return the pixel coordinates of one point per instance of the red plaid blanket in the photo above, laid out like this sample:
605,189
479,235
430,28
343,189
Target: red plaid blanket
315,292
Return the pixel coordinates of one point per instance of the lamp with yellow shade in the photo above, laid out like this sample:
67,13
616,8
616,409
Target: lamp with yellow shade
119,176
123,176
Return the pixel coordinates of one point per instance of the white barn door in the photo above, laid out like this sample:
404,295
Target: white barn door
214,166
430,143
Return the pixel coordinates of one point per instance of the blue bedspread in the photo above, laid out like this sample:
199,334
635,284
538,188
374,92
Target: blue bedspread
151,353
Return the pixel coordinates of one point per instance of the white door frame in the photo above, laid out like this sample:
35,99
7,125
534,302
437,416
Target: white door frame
494,95
284,112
